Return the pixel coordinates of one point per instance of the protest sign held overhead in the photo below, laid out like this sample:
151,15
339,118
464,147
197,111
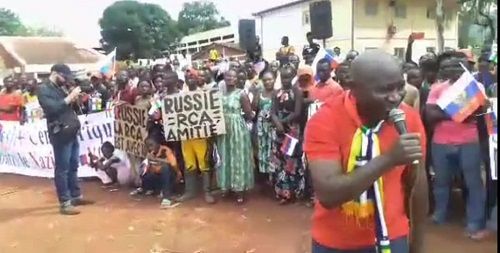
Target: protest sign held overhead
130,129
193,115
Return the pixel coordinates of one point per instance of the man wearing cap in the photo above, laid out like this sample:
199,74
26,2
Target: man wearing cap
63,127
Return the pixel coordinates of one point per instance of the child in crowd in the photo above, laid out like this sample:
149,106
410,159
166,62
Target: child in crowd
113,168
158,173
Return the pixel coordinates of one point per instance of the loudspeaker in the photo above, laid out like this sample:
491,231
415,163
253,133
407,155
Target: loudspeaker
246,31
320,15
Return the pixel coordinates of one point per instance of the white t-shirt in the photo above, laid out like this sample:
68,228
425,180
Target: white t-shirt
123,169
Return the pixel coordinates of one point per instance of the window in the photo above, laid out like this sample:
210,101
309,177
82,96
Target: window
202,41
230,36
214,39
399,52
431,12
430,50
400,11
371,8
305,18
370,48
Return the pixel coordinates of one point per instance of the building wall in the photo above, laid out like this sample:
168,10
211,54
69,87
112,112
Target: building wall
369,31
198,41
291,21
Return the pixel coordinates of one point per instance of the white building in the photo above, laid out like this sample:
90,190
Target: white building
198,41
360,25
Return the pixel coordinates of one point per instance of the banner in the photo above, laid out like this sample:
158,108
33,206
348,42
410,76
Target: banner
26,150
130,129
193,115
493,140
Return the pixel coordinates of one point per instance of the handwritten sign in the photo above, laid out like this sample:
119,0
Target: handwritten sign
130,129
193,115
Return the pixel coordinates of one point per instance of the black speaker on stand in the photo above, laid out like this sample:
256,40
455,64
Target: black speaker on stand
320,14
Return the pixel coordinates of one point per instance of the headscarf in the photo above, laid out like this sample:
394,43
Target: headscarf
305,70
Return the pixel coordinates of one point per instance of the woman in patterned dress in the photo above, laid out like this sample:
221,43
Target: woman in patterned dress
262,104
285,113
235,147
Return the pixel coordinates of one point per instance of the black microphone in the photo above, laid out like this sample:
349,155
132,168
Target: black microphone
397,116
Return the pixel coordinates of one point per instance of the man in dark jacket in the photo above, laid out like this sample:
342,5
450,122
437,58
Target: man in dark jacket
63,127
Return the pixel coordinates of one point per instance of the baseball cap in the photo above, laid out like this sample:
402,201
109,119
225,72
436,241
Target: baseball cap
63,70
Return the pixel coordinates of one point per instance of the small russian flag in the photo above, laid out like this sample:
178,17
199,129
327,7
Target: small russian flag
84,160
462,98
288,145
108,64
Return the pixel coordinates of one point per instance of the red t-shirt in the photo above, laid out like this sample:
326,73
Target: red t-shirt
329,136
11,99
127,95
323,91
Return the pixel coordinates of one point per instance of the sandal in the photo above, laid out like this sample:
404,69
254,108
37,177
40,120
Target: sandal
478,235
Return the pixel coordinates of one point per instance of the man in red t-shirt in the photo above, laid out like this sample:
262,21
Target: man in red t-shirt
326,87
11,102
125,92
330,142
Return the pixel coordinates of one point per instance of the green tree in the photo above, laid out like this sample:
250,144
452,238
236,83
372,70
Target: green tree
199,16
479,21
10,24
43,32
137,30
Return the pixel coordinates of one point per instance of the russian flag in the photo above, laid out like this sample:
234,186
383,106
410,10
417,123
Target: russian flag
323,54
288,145
462,98
107,65
84,160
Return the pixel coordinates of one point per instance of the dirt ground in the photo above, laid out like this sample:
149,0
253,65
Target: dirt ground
29,222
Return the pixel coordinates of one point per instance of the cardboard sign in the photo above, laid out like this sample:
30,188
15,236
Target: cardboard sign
130,129
193,115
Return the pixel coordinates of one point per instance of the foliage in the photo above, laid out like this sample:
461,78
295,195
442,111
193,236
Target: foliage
43,32
199,16
478,22
137,30
10,24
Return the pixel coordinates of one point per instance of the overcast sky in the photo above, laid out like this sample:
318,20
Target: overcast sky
78,19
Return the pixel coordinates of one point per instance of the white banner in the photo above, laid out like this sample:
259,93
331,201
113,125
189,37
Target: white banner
493,139
26,150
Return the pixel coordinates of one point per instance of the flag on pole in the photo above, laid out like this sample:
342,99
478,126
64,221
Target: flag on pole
107,65
323,54
462,98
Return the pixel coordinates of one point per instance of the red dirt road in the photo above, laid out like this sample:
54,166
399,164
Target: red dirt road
30,223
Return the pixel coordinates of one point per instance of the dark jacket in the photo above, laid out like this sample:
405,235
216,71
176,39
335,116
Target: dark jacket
51,99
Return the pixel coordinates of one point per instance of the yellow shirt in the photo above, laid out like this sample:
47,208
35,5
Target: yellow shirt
28,98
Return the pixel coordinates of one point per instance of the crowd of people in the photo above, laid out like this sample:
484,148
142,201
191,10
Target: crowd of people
267,106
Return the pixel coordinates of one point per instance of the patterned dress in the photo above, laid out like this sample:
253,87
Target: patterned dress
264,129
235,148
289,171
